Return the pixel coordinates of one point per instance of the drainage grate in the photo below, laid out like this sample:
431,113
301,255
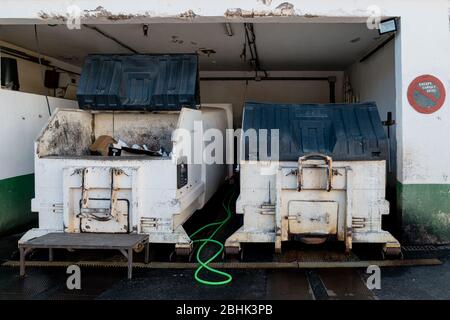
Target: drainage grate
420,251
317,286
425,248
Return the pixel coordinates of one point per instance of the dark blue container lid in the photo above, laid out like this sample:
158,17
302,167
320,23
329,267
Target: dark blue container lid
342,131
139,82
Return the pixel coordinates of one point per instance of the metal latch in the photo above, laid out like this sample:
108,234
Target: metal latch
329,165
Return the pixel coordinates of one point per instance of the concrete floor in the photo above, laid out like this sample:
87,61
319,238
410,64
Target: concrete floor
336,284
425,282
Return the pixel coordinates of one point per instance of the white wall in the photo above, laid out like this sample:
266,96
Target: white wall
374,80
286,91
423,47
23,116
31,73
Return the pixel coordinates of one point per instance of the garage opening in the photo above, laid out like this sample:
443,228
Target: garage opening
326,62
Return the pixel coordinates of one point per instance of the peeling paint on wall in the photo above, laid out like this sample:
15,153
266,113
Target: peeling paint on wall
188,15
284,9
103,14
97,13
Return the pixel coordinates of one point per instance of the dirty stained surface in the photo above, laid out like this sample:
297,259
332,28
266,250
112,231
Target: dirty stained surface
67,134
323,284
424,282
101,13
416,282
70,133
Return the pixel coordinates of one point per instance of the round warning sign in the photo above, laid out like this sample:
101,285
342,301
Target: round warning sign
426,94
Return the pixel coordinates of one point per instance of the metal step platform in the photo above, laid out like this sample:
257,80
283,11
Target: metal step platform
125,243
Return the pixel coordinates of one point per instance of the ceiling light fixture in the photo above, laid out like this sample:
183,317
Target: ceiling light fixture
388,26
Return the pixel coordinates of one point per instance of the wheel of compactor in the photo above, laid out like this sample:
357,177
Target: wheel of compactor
392,253
234,253
139,248
181,254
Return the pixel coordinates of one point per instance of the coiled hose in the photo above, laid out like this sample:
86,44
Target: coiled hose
205,264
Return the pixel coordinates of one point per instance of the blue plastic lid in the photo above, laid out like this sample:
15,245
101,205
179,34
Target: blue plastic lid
342,131
139,82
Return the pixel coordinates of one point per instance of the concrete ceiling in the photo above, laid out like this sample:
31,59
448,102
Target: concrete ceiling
281,46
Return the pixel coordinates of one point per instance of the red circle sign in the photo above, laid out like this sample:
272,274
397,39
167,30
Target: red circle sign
426,94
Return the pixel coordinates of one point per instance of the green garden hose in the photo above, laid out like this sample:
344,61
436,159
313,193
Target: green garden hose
205,265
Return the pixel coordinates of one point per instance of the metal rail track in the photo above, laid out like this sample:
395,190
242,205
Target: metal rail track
235,265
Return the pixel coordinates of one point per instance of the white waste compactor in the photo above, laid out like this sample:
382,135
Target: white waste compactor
145,181
321,177
76,191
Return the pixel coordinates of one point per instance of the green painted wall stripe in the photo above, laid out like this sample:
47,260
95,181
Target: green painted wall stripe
15,202
425,210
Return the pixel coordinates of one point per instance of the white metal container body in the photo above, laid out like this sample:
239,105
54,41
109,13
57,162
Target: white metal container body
274,209
147,193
